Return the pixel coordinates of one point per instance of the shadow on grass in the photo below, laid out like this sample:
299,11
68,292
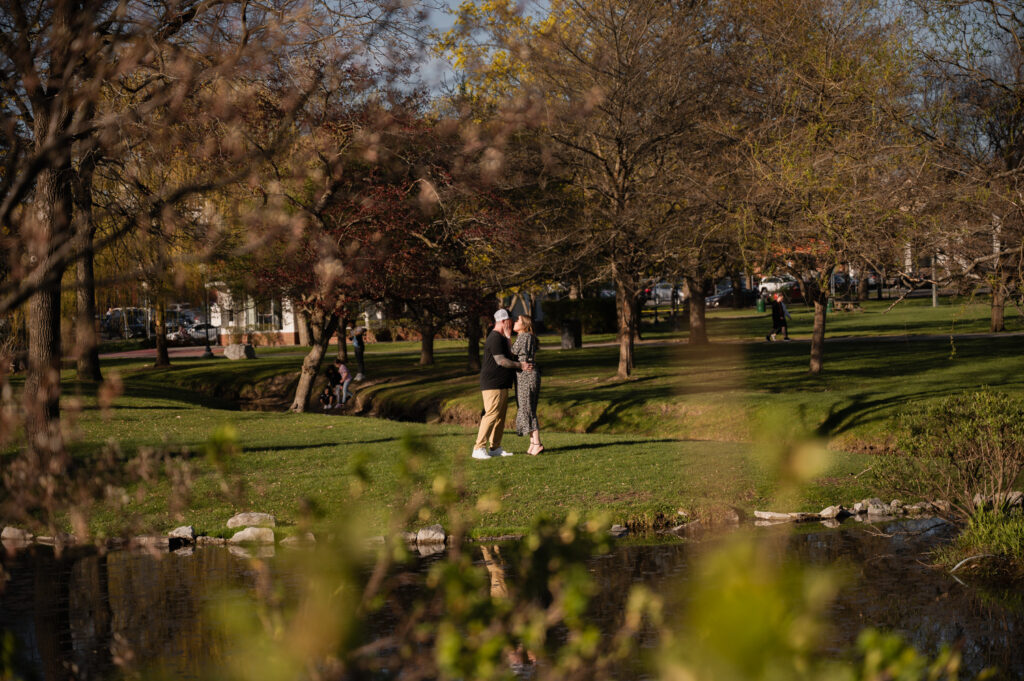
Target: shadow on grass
319,445
601,445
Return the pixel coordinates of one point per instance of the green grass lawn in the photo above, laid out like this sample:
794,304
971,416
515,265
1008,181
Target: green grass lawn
285,459
685,431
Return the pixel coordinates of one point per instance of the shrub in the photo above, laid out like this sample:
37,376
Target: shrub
596,314
967,448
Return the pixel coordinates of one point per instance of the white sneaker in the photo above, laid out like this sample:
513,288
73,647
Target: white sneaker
498,451
481,454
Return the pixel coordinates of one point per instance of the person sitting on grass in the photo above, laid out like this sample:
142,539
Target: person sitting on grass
326,397
333,374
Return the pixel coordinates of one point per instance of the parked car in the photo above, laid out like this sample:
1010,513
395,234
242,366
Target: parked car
203,333
180,334
843,284
779,283
127,322
725,298
662,293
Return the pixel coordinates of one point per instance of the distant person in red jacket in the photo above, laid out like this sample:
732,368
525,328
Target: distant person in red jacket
779,316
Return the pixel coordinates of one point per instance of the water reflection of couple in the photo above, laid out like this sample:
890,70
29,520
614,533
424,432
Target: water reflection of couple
501,367
519,658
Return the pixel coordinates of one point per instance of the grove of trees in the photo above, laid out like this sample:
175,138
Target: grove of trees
292,147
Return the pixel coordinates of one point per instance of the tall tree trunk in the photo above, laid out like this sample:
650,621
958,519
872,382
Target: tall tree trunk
343,341
818,334
473,334
626,305
85,280
427,333
698,318
996,323
163,359
322,326
50,220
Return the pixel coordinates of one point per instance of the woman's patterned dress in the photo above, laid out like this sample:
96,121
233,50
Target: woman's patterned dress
527,384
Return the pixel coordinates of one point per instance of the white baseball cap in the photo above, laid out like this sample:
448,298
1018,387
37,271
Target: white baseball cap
501,315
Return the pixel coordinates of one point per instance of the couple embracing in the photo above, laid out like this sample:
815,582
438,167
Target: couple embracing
502,366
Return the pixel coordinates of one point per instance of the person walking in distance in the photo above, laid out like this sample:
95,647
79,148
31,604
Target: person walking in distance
497,374
358,346
779,316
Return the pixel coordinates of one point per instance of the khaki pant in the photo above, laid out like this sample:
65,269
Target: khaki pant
492,425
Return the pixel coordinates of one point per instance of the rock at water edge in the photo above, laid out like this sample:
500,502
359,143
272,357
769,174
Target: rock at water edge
16,534
773,516
185,533
253,535
252,520
831,512
431,535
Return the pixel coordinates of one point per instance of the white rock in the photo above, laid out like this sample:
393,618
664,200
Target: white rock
407,537
184,551
785,517
239,351
186,532
618,530
859,508
831,523
431,535
15,534
1009,499
773,516
253,535
252,520
830,512
876,507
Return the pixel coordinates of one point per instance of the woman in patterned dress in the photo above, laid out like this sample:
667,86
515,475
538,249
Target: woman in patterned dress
527,383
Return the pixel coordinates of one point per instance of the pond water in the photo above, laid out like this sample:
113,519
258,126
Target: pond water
83,610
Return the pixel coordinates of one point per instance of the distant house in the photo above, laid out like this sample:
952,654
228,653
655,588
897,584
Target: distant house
241,318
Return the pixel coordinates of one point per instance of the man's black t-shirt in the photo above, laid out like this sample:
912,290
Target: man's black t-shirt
493,376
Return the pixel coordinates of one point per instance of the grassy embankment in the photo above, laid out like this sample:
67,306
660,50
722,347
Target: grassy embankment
679,434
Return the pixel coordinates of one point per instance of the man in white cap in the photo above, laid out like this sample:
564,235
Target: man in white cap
497,374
